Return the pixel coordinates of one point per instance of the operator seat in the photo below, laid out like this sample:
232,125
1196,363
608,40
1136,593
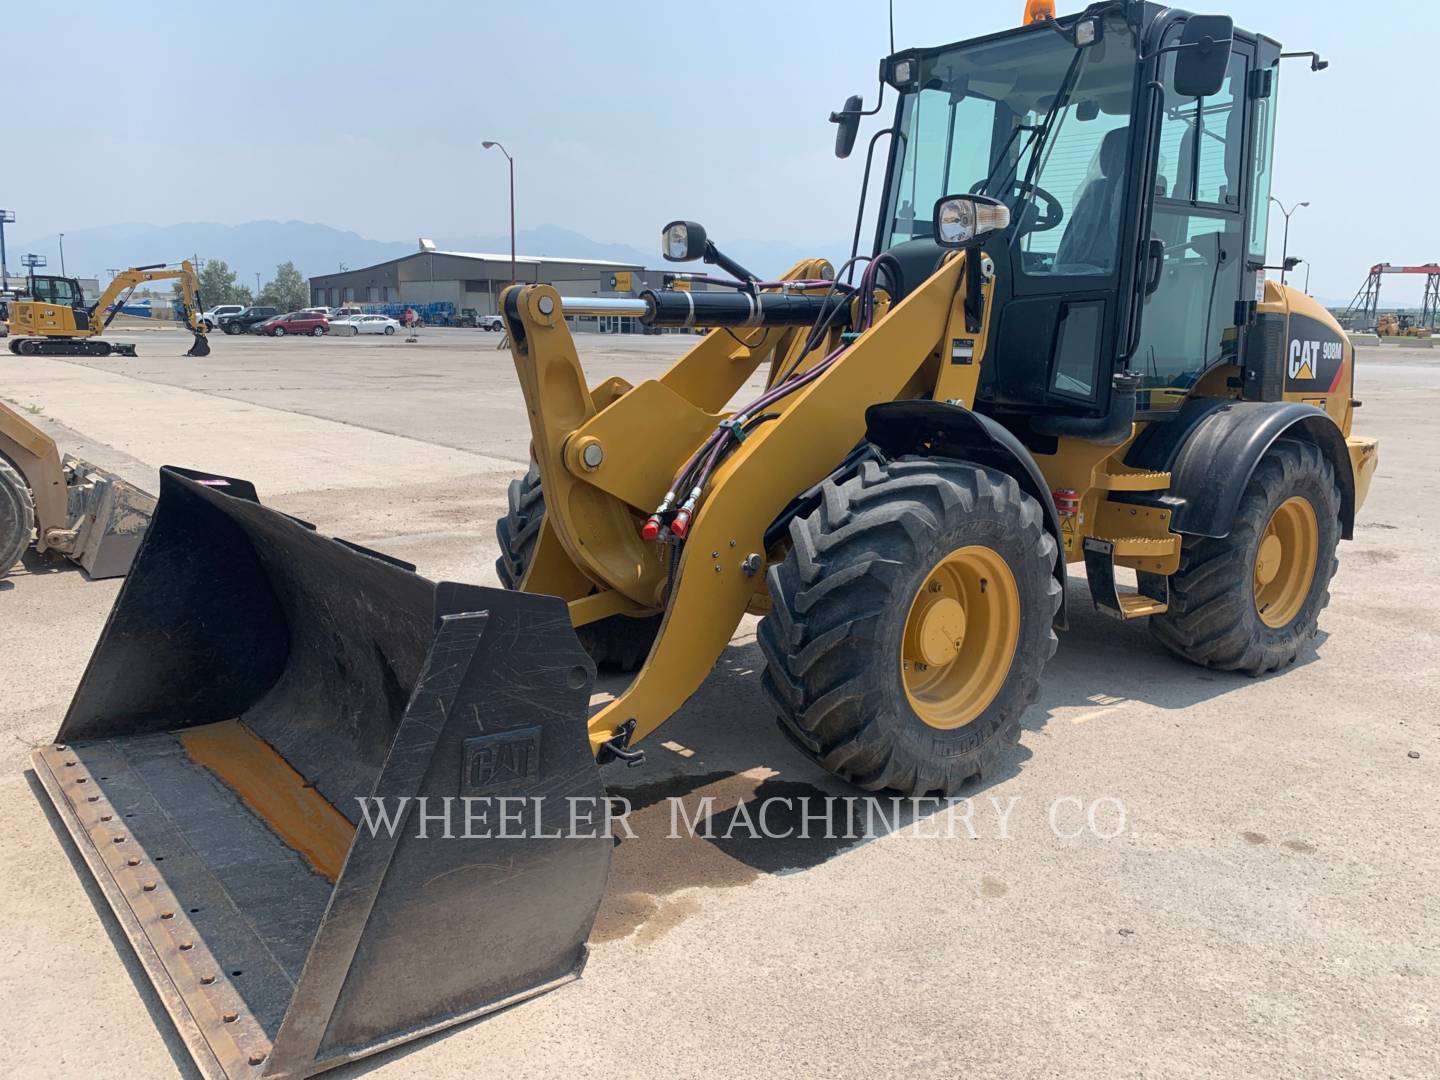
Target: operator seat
1091,238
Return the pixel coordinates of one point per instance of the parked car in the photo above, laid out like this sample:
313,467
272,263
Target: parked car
211,319
372,324
246,320
491,322
297,322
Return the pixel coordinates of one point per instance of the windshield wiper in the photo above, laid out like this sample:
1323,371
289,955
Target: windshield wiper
1039,135
990,177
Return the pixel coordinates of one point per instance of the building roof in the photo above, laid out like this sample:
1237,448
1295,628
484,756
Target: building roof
528,260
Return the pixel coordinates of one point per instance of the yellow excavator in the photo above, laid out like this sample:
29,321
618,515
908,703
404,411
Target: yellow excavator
53,319
336,805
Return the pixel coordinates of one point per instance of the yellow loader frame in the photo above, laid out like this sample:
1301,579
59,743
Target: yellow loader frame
606,456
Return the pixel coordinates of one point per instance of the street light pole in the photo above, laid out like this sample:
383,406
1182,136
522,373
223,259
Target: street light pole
1285,244
62,254
6,217
488,144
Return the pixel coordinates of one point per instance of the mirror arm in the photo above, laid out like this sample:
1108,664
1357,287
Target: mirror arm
974,291
716,257
1316,63
1209,43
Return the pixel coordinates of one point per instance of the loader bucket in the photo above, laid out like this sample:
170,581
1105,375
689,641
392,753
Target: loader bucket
109,517
199,347
254,683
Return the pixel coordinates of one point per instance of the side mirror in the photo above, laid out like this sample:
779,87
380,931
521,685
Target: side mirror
967,220
1203,55
847,121
682,241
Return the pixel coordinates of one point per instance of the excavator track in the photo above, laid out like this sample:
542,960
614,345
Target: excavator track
39,346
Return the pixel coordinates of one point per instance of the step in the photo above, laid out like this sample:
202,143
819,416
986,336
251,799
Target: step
1119,477
1153,597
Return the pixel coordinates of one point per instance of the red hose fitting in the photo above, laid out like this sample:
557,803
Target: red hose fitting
651,529
680,525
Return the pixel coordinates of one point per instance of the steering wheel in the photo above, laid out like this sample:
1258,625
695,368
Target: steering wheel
1042,213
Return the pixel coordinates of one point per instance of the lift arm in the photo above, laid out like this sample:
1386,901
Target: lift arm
721,565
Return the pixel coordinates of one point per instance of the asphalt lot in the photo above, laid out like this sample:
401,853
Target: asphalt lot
1267,909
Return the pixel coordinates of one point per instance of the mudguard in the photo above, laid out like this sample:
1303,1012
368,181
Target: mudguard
1211,449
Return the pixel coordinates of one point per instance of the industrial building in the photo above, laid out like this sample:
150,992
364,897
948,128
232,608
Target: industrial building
463,279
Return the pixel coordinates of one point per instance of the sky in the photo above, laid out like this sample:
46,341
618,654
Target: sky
370,116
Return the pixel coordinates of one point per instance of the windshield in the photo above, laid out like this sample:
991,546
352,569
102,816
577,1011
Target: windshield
974,126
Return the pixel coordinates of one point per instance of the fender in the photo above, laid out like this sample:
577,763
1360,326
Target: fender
937,429
1211,449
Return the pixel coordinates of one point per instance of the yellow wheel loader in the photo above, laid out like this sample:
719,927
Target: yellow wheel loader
54,319
64,504
336,806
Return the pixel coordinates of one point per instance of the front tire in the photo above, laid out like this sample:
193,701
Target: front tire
1250,601
17,516
620,642
910,623
279,331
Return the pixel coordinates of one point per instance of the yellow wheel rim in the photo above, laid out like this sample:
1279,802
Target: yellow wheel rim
1285,561
960,637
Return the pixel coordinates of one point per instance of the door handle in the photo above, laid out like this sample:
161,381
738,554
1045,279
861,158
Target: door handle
1154,264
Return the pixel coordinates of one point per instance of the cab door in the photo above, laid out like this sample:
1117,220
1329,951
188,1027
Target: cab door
1209,192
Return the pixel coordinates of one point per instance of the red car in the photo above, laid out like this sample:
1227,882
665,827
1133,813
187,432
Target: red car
297,322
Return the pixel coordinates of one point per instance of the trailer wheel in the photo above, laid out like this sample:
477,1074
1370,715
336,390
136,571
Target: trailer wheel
17,516
910,623
1251,600
620,642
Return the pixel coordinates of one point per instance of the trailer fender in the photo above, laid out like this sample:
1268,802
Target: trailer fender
1211,449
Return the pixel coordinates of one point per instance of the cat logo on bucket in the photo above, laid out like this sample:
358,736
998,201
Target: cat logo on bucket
499,760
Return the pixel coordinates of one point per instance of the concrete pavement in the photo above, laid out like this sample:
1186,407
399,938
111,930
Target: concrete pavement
1255,896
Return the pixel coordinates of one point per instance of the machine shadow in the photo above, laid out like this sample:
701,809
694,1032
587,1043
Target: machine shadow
724,797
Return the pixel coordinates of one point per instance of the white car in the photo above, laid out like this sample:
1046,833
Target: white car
373,324
211,318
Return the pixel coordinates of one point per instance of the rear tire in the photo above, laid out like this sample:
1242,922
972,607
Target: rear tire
319,331
1218,604
17,516
389,329
620,642
843,607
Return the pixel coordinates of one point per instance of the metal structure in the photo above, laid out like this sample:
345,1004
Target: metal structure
7,217
31,262
1364,309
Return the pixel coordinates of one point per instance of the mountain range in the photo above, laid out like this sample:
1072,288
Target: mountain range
256,247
